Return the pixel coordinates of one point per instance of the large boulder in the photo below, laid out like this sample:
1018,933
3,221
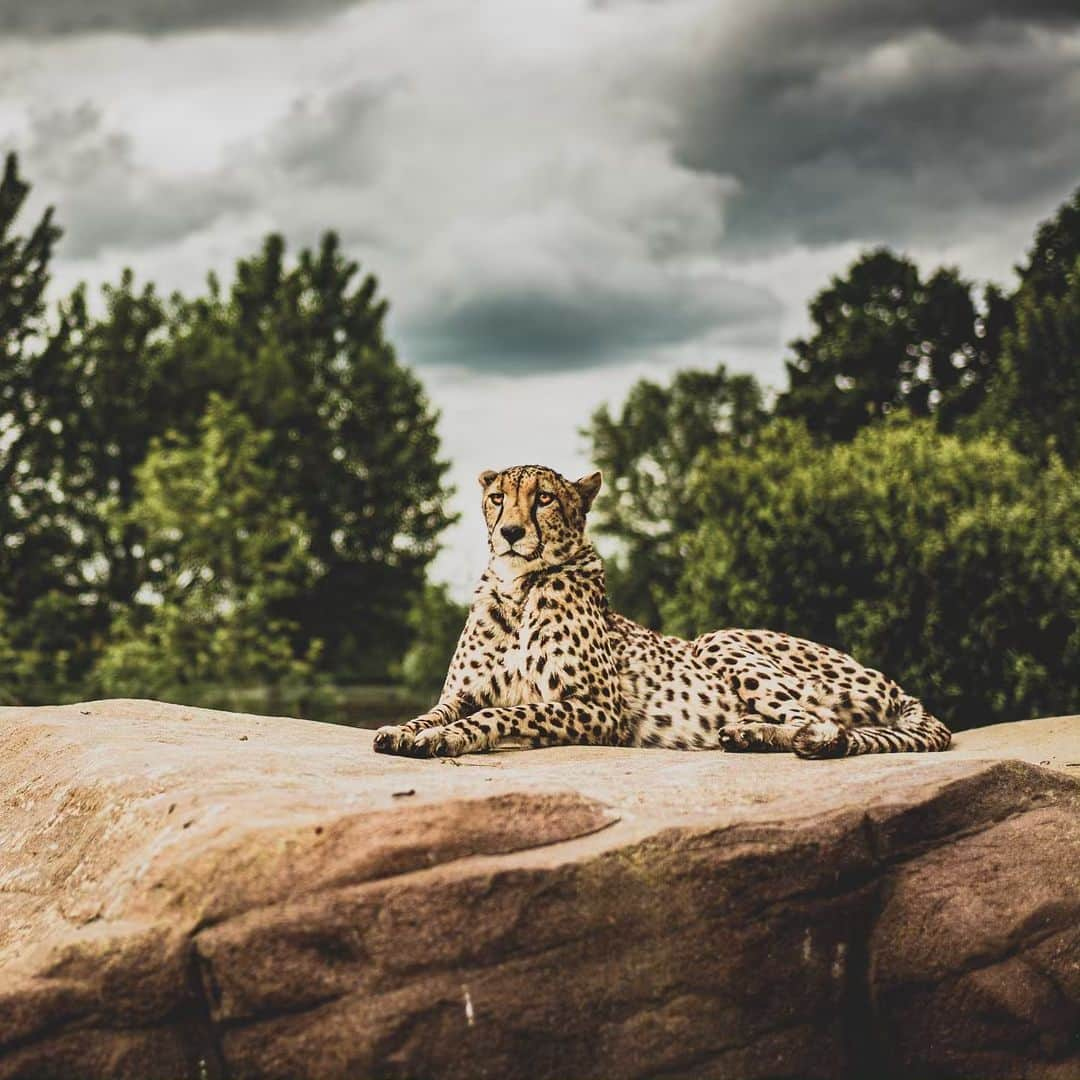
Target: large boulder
201,894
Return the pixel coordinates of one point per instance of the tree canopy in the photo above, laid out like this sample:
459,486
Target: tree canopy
224,546
44,633
346,442
1035,396
244,486
646,453
949,563
1052,258
912,497
884,339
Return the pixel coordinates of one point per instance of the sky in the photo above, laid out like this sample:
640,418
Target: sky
558,197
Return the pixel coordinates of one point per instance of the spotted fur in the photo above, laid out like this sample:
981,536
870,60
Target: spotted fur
543,660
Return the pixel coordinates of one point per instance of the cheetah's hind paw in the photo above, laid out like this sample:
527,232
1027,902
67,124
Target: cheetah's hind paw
821,739
755,736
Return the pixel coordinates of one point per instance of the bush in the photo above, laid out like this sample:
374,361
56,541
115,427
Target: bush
951,565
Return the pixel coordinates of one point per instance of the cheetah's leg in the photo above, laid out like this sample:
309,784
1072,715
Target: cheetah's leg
913,730
399,738
777,705
545,723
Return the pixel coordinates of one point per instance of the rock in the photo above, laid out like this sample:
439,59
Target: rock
176,901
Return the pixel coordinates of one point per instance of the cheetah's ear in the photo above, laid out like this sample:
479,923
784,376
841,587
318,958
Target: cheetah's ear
486,477
587,487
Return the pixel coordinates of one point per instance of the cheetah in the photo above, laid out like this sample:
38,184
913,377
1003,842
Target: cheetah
544,661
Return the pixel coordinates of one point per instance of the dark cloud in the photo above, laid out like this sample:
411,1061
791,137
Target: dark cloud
530,327
105,200
539,210
42,18
329,141
856,19
895,121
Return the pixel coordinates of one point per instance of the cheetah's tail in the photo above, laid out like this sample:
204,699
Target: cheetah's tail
913,730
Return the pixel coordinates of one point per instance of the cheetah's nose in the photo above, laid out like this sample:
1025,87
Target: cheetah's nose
513,533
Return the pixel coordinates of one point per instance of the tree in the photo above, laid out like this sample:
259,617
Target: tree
226,546
301,352
884,339
1035,397
950,564
646,454
1035,394
45,630
1054,253
24,277
101,397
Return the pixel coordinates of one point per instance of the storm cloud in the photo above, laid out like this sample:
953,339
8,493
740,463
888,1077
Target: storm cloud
559,185
896,121
558,196
107,199
43,18
571,324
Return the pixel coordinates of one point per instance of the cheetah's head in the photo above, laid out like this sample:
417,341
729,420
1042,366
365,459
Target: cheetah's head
535,517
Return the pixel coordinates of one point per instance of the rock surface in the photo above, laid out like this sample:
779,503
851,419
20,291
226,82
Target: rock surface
194,894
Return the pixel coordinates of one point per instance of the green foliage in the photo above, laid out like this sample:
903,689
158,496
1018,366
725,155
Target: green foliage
950,564
235,497
436,622
225,547
47,648
1035,396
10,661
300,352
646,453
1053,255
85,415
353,440
45,632
884,339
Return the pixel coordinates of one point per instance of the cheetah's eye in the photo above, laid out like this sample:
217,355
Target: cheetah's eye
545,498
496,498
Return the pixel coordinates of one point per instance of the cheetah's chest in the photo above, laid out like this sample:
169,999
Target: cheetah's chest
509,665
530,662
516,687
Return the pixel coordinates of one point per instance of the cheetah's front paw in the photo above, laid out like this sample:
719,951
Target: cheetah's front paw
442,742
734,737
393,739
